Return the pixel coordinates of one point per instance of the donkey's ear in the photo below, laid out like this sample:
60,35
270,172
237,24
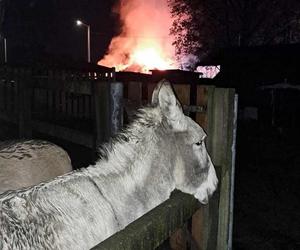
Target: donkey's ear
154,100
164,96
163,90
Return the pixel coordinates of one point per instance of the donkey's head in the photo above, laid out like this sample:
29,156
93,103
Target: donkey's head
193,172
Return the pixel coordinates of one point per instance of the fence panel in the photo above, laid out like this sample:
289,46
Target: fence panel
57,102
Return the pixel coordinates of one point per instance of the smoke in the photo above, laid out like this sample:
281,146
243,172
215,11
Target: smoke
188,62
144,41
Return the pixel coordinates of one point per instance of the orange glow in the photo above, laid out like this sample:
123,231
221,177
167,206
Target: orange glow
144,43
149,58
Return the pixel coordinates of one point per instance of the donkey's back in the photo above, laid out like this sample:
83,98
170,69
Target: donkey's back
27,163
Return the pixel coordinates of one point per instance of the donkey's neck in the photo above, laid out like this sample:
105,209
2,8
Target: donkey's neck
135,177
131,146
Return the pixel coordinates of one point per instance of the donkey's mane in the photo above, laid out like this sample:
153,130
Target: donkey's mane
131,136
144,117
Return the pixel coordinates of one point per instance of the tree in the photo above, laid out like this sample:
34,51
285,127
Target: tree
201,26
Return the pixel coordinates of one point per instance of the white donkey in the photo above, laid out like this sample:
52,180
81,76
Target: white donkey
160,151
27,163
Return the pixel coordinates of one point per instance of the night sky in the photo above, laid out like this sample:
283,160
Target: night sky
46,30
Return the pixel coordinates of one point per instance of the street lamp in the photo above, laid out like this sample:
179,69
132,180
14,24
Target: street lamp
5,50
80,23
5,47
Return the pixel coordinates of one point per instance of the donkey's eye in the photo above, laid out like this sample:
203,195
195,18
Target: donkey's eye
199,143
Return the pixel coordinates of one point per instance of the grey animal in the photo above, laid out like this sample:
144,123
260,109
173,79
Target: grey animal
161,150
29,162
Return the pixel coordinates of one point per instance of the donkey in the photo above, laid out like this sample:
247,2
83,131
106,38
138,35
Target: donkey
160,151
27,163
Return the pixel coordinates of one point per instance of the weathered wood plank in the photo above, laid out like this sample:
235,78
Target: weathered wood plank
135,93
151,87
202,99
183,93
203,220
149,231
101,102
221,128
116,107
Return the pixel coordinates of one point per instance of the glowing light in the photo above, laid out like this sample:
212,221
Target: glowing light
150,58
78,22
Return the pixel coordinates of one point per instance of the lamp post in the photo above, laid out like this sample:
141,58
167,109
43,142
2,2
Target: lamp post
5,50
4,47
80,23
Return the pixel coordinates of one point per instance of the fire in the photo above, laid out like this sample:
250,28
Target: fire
144,42
149,58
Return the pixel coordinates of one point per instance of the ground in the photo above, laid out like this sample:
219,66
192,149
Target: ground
266,213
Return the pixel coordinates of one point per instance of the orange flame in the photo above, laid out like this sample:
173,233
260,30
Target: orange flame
144,42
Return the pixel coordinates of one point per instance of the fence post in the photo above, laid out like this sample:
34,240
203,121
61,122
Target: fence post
232,177
116,107
205,220
221,123
24,103
101,102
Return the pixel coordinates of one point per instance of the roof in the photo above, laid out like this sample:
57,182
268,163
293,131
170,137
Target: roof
176,75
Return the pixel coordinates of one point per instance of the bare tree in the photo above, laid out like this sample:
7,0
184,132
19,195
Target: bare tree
202,25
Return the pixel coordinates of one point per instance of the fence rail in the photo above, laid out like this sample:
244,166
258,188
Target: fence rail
152,229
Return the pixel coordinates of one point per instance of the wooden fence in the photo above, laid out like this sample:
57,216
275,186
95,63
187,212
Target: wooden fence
70,105
80,107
